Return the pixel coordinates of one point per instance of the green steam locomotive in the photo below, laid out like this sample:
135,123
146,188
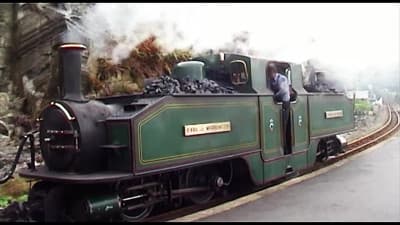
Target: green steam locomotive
116,158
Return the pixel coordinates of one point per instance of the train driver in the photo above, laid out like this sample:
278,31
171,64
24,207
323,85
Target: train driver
280,86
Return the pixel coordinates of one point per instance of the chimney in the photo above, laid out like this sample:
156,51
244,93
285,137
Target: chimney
70,71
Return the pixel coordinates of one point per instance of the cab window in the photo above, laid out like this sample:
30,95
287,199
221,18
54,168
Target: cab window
288,74
238,72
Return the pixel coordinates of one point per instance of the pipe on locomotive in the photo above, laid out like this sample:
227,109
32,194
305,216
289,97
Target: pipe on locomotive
70,60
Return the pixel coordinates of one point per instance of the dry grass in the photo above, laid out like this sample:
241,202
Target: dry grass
147,60
14,187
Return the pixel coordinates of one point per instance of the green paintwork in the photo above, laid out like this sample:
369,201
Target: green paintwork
271,142
256,167
312,152
274,169
100,205
119,135
297,77
270,113
319,104
300,123
259,82
298,161
300,134
161,135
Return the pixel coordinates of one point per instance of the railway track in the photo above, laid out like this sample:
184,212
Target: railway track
391,125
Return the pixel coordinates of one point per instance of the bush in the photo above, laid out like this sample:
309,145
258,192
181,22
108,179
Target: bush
146,60
362,106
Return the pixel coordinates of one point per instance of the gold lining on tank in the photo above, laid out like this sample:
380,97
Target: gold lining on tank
201,152
207,128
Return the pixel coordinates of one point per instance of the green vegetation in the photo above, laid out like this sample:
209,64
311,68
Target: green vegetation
5,200
22,198
15,189
362,106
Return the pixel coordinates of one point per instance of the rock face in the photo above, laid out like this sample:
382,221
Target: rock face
36,78
6,21
4,103
28,67
3,128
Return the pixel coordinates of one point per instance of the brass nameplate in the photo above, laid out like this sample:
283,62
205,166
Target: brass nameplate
207,128
334,114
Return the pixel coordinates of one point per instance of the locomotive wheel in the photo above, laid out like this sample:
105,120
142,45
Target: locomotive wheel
322,152
337,147
55,205
200,177
36,200
178,202
140,213
137,215
58,206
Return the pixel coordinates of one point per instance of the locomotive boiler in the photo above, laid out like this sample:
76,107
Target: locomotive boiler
116,158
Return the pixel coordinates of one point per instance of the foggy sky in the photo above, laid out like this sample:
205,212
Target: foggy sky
353,41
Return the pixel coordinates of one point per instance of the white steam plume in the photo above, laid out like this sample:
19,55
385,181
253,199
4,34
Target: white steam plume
351,40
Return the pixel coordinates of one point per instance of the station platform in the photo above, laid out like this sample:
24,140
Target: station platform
364,188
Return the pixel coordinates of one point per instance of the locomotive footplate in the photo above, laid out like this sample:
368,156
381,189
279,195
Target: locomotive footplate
99,177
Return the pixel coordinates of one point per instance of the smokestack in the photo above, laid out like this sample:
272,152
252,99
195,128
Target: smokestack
70,70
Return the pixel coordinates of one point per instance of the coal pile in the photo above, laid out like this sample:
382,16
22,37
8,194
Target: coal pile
166,85
205,86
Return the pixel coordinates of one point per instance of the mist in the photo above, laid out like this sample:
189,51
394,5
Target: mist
352,42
